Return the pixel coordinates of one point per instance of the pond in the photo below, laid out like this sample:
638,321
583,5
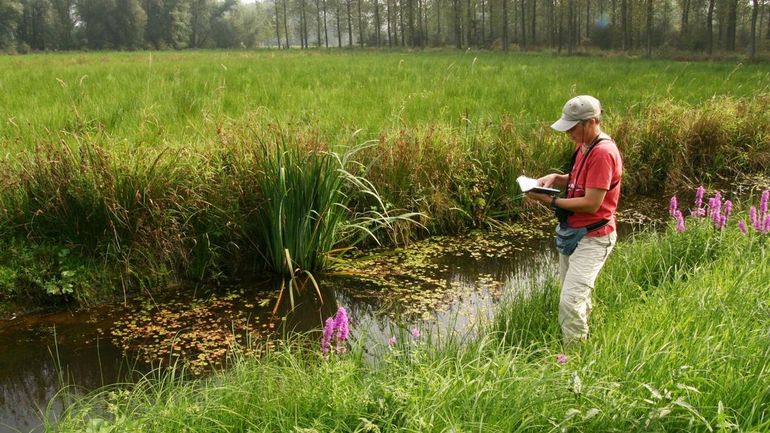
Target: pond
441,284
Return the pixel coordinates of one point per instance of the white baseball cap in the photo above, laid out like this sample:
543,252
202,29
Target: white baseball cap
579,108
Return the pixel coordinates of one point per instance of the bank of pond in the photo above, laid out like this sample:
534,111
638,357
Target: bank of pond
680,340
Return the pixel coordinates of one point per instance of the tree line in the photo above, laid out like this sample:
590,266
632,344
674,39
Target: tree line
701,26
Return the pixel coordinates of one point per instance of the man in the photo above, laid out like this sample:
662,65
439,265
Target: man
593,190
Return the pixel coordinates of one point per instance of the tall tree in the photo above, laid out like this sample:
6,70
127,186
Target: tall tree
10,13
350,24
277,25
523,18
753,41
732,24
36,26
360,25
506,42
710,27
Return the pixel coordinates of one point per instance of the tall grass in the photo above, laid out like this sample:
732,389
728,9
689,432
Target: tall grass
167,166
181,99
686,349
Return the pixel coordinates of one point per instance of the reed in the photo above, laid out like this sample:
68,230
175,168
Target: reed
685,350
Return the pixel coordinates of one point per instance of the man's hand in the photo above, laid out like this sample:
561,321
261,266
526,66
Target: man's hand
544,198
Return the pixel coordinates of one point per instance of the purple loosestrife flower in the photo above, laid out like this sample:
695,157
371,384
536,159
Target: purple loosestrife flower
766,228
674,206
763,203
680,222
742,226
326,338
392,341
728,208
753,218
415,333
561,358
341,324
722,222
699,197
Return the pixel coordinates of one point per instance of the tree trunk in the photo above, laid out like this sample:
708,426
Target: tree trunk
318,22
533,24
277,24
482,40
624,23
377,23
389,18
458,26
326,29
350,25
710,27
523,22
683,26
753,42
649,28
732,19
339,28
439,41
360,25
469,24
285,24
505,25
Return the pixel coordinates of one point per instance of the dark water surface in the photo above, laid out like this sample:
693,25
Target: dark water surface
443,284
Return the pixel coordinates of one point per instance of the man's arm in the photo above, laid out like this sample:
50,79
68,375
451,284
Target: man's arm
590,203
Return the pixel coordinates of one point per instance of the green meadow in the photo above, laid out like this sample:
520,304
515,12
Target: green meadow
184,99
127,171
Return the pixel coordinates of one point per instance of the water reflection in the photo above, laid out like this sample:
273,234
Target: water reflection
443,285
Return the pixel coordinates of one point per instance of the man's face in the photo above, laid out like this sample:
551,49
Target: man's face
578,133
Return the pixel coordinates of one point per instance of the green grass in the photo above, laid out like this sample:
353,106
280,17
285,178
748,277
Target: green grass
156,163
679,342
183,99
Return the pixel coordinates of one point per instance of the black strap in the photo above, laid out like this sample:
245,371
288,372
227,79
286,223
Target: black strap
597,225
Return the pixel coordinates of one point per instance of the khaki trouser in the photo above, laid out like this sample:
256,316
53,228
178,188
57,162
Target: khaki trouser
578,273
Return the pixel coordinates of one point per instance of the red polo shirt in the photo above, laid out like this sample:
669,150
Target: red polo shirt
602,170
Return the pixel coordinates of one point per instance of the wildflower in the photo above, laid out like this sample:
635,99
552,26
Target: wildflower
679,221
742,226
699,197
392,341
561,358
766,228
763,202
326,338
728,208
674,206
415,333
336,328
753,218
341,324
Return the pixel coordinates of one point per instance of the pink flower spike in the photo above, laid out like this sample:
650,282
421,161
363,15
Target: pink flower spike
673,206
341,324
699,197
728,208
392,341
742,226
561,358
680,223
415,333
326,338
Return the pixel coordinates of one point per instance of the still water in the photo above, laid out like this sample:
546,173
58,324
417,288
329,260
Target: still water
442,284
